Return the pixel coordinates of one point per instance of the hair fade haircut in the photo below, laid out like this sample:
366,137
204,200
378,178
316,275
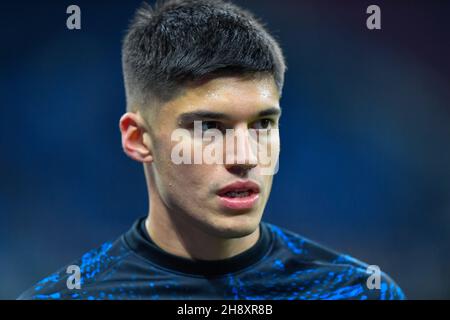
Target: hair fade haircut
179,41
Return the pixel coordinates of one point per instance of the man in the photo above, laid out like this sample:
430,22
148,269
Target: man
195,70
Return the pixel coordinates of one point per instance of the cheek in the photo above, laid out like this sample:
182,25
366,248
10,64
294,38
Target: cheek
267,151
275,141
268,180
185,180
188,187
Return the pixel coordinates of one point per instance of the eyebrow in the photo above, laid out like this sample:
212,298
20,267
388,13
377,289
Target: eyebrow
189,117
270,112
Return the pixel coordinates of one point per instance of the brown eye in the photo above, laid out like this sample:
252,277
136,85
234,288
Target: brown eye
263,124
208,125
213,125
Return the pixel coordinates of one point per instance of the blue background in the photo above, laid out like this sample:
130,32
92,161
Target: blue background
365,160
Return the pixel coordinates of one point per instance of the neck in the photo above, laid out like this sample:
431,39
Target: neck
180,236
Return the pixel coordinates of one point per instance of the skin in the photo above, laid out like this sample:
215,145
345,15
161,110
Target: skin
185,217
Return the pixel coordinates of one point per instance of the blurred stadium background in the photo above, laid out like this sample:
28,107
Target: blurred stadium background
365,160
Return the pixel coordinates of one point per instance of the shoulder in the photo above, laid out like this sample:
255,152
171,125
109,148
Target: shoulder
92,268
330,274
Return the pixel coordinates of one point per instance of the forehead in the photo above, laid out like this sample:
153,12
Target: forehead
238,97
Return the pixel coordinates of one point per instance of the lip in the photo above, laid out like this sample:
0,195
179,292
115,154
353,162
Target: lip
239,203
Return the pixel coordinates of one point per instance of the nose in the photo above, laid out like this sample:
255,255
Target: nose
240,152
240,170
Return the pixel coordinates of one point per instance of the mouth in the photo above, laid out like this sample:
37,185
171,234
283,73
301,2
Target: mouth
239,195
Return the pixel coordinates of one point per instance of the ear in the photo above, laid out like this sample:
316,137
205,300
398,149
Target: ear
135,139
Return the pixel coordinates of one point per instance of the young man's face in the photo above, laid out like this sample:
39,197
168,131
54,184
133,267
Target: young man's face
195,192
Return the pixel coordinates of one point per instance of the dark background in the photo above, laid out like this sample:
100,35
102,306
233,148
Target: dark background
365,159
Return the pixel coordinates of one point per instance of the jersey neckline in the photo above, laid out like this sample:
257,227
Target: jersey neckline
138,239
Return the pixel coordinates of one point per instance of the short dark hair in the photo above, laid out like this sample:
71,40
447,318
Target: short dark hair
179,41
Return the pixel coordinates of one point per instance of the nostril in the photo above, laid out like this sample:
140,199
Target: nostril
240,169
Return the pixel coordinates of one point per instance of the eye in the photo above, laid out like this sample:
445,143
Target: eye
208,125
263,124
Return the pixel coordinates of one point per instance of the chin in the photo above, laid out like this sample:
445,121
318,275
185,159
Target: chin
235,226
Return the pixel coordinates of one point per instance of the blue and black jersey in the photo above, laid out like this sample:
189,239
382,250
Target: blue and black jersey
280,265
